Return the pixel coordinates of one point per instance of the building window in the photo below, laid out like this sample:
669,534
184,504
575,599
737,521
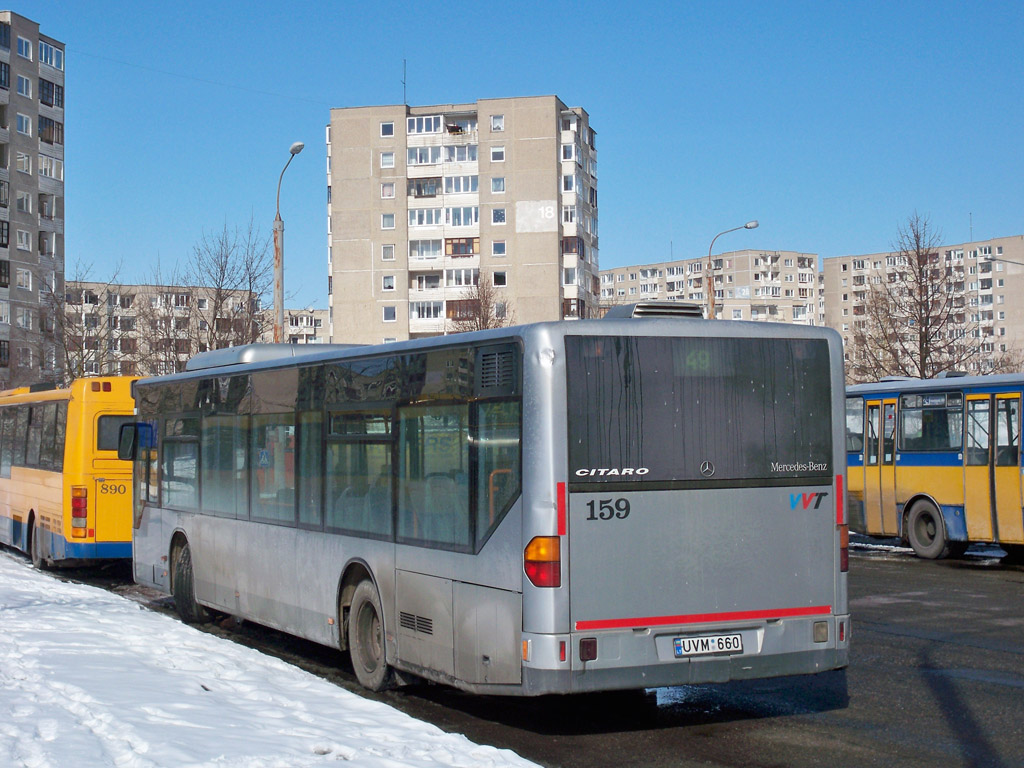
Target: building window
454,185
24,87
424,217
387,283
425,249
569,276
387,252
51,94
465,216
24,240
462,246
568,214
5,36
24,319
500,310
387,159
387,129
462,154
498,185
500,280
24,202
497,154
568,183
51,167
498,248
387,189
390,315
567,151
497,123
428,124
48,54
498,216
24,124
51,131
423,155
426,310
387,221
5,312
5,272
24,278
5,75
25,48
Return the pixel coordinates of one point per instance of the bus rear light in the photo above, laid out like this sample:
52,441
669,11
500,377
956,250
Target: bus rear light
588,649
842,631
844,548
561,650
542,561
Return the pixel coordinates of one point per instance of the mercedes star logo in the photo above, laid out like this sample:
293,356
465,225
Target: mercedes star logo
707,468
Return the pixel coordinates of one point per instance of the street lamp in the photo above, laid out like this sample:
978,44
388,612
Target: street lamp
1004,261
711,278
279,252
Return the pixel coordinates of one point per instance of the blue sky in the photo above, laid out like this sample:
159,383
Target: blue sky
829,122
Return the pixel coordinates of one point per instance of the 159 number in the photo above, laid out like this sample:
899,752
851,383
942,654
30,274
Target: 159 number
606,509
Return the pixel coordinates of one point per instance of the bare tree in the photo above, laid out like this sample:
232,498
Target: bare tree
916,319
482,307
233,270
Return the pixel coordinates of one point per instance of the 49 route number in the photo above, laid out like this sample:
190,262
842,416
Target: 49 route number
606,509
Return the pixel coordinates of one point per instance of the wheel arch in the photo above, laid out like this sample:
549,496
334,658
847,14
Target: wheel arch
909,504
178,542
355,571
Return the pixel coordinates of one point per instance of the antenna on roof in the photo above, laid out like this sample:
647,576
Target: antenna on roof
405,99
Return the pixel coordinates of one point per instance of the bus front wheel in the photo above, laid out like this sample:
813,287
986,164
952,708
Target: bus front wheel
927,532
366,639
184,591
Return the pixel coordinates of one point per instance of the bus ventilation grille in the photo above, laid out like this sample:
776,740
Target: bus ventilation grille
416,623
654,309
497,370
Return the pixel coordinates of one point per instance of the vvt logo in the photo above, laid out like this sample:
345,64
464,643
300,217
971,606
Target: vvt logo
807,499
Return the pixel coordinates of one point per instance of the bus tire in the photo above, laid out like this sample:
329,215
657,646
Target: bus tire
366,639
35,548
184,591
927,532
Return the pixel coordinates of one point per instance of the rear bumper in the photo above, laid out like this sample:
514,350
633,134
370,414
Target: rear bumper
60,549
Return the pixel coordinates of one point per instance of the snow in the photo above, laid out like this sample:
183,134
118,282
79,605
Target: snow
89,678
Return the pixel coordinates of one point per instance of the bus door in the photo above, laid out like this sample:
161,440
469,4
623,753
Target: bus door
992,492
880,467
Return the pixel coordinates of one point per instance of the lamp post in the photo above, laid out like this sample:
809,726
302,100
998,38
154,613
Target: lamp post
279,252
711,277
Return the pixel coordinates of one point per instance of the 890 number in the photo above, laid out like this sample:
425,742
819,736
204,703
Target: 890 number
116,488
606,509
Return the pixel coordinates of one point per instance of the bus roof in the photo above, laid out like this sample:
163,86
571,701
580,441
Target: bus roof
257,357
937,384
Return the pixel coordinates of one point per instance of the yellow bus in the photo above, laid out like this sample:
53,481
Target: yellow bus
65,497
937,462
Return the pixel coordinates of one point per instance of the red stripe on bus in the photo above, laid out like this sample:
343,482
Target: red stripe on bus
561,510
700,618
840,500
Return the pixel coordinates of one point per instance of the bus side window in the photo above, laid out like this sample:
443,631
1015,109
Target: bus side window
977,432
854,425
497,443
1007,434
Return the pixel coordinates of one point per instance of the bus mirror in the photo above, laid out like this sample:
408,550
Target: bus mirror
127,442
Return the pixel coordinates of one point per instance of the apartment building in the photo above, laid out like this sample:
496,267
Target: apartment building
146,330
431,206
776,286
988,274
301,326
31,199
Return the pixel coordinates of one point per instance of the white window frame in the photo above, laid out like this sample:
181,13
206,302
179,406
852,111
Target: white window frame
498,154
23,163
23,278
387,252
24,125
385,187
497,123
387,282
24,87
387,159
387,221
23,46
387,123
497,213
24,240
494,248
496,182
504,279
394,314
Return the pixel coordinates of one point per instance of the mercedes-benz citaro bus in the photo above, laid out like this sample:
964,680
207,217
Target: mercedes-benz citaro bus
65,497
551,508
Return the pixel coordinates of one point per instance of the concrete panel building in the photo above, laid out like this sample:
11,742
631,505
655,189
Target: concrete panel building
775,286
989,272
31,199
427,203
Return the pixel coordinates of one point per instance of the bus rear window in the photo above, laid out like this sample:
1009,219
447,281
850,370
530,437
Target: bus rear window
108,430
701,410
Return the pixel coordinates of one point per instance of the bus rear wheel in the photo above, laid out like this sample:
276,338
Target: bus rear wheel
184,591
366,639
927,532
35,548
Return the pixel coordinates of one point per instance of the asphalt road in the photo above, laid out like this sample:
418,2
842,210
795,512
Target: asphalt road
936,677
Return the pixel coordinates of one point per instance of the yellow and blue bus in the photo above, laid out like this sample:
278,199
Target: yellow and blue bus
937,462
65,497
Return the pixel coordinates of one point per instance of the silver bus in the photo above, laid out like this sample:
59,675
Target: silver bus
550,508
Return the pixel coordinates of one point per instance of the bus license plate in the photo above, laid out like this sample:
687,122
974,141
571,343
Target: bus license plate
707,645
